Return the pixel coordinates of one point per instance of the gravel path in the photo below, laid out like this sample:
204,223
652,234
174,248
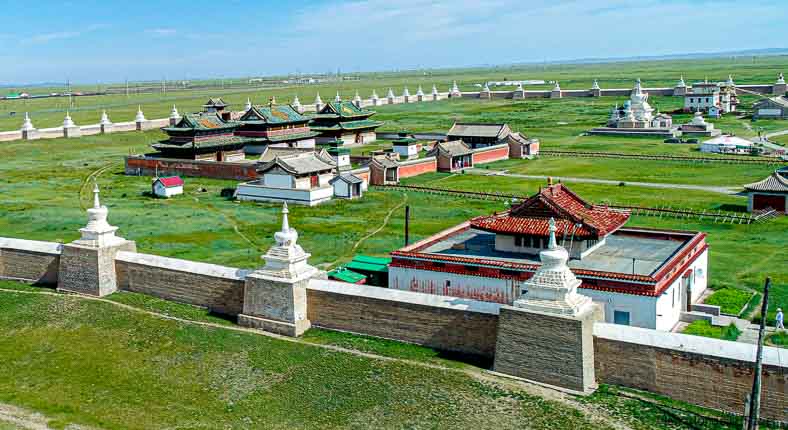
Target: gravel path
708,188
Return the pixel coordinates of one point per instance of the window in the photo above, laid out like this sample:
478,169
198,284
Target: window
448,283
518,241
621,317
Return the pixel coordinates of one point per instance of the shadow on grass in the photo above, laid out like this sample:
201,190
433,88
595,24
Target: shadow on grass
732,208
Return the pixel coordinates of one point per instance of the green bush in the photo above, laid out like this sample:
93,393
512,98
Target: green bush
705,329
779,339
730,300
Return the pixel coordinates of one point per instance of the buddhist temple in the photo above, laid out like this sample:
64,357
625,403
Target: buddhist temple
202,136
275,125
637,117
640,277
345,121
217,105
770,193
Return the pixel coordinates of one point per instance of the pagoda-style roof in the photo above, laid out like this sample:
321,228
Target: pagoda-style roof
348,125
343,110
384,162
348,178
775,183
404,141
273,115
215,102
217,143
574,217
455,148
197,122
460,130
271,152
299,164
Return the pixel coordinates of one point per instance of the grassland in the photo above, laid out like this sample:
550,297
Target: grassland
93,363
49,112
730,300
705,329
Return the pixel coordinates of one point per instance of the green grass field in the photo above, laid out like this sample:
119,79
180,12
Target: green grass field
705,329
49,112
730,300
90,363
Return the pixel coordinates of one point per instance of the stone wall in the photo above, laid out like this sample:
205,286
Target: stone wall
140,165
29,260
708,372
444,323
218,288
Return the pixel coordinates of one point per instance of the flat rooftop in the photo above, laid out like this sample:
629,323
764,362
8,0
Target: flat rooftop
614,256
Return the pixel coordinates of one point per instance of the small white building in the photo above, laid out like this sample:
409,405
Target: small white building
727,144
302,178
167,187
347,186
407,147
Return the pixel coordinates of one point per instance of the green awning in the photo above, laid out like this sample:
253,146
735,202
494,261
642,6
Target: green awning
345,275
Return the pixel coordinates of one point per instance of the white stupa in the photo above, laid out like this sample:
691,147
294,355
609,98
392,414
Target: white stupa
296,103
595,85
338,98
286,259
434,90
557,87
519,86
681,83
27,124
553,288
419,92
248,105
104,118
374,95
140,117
318,100
174,115
390,94
68,122
638,104
357,99
730,82
455,90
98,233
780,79
406,92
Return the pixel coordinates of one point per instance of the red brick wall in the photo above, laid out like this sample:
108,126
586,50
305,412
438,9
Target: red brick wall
148,166
488,155
418,168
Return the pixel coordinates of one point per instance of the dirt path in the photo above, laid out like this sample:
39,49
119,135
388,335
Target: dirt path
478,374
708,188
93,175
25,419
382,225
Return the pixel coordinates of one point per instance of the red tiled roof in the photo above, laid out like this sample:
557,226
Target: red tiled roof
532,216
171,181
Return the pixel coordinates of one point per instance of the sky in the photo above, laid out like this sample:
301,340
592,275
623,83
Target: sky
108,41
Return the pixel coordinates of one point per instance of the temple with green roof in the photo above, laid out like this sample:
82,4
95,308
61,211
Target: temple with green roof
277,126
345,121
202,136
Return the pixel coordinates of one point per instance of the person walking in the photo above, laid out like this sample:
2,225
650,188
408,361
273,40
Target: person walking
779,318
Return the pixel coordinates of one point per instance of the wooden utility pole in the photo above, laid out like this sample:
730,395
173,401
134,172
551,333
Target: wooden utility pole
407,225
755,397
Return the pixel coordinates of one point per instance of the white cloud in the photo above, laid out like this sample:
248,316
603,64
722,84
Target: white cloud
59,35
161,31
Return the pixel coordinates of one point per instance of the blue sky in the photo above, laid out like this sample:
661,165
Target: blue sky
107,41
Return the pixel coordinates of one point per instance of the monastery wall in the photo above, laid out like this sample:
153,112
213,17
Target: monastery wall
708,372
490,154
444,323
29,260
703,371
140,165
218,288
417,167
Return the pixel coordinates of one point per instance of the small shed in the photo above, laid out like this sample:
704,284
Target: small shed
772,108
167,187
376,269
347,186
452,156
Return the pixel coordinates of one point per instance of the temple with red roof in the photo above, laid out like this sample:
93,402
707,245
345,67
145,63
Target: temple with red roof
641,277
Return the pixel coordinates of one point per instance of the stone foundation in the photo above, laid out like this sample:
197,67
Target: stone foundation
88,270
275,304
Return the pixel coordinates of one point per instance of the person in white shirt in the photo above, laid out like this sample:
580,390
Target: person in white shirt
779,318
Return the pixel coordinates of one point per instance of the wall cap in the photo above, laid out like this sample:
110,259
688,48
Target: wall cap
197,268
31,245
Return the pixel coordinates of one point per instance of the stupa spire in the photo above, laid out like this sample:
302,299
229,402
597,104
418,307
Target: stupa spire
104,118
248,105
27,125
140,117
318,100
338,98
67,121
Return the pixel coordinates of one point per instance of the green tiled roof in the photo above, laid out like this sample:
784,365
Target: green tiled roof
374,260
345,275
345,110
404,141
201,122
349,125
204,144
277,114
